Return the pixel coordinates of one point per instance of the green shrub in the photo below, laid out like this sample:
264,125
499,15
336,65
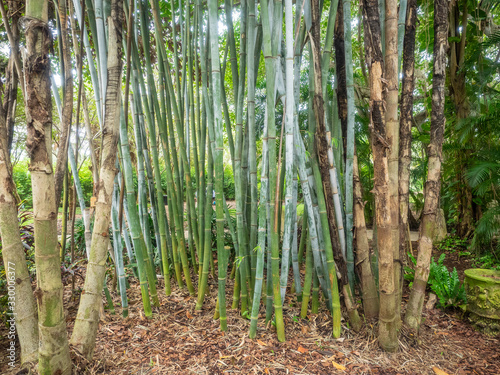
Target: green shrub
229,183
86,181
445,284
22,179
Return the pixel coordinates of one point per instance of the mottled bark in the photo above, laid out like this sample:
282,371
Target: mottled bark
87,320
324,166
392,136
12,78
387,336
13,253
67,109
405,123
463,192
433,183
53,349
21,305
368,285
340,73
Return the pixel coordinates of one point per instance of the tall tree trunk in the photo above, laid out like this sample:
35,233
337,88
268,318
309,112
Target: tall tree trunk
222,255
340,75
53,350
387,335
392,136
20,294
459,94
324,166
12,77
405,123
67,110
21,301
368,285
433,184
87,320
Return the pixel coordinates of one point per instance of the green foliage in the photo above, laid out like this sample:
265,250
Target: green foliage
86,181
446,285
488,261
22,179
452,244
448,288
229,184
79,237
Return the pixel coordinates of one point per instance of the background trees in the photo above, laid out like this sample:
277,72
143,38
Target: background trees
249,101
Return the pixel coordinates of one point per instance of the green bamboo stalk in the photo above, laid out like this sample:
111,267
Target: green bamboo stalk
303,236
118,249
142,198
403,4
145,277
261,248
64,222
270,43
161,217
295,256
332,274
315,293
238,178
218,159
88,52
207,250
252,151
306,292
348,176
290,208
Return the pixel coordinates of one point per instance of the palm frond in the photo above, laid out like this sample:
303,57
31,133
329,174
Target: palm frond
487,228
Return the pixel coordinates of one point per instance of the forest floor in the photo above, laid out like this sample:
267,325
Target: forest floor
179,340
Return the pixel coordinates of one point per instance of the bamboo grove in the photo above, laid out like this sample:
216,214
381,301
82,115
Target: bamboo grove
175,88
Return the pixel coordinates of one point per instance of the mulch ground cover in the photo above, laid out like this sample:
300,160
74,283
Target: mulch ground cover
180,340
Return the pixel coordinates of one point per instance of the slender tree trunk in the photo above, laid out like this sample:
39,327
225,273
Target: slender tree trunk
340,75
53,349
460,100
405,124
387,336
16,270
67,110
368,286
222,255
433,184
324,166
21,301
87,320
392,136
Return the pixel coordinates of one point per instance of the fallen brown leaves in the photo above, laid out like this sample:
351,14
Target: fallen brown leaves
178,340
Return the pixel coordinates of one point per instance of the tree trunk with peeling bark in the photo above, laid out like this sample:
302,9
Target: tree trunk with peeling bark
20,295
387,335
433,183
324,166
463,191
54,349
367,279
67,110
340,74
405,124
392,136
87,320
